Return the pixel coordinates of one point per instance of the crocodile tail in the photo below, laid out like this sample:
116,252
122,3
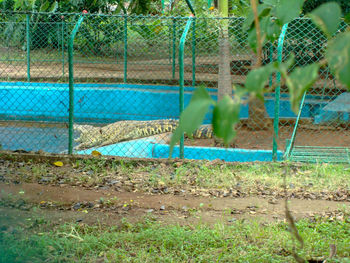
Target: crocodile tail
149,128
203,132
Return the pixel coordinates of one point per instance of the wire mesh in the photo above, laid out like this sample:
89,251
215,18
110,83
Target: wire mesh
323,113
13,46
126,79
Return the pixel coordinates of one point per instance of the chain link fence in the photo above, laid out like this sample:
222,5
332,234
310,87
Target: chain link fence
126,85
323,124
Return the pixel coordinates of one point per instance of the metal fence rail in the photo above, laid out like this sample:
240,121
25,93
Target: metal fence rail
126,69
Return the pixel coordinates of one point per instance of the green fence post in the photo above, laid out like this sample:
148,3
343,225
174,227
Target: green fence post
209,3
71,84
125,48
174,47
277,93
28,45
194,53
162,6
181,76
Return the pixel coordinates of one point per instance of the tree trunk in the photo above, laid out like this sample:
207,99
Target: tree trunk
224,82
258,118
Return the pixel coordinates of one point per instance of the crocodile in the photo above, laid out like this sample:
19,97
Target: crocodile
92,136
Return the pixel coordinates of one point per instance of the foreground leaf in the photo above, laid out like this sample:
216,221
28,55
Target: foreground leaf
263,10
287,10
271,29
257,78
225,116
327,18
338,57
299,81
192,117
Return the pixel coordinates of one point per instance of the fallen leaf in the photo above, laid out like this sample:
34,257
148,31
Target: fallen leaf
58,164
96,153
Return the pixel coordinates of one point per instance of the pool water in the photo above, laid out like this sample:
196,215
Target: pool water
34,136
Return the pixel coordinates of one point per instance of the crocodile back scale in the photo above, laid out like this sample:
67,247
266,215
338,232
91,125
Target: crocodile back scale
92,136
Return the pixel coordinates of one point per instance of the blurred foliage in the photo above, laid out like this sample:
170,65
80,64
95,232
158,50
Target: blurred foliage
310,5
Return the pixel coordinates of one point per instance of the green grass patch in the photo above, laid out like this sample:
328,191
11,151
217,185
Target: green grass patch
248,178
313,177
149,241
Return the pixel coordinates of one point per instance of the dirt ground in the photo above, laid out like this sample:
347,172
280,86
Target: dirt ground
262,140
62,194
78,204
142,70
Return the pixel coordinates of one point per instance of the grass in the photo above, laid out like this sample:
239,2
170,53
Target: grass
40,240
149,241
318,176
248,178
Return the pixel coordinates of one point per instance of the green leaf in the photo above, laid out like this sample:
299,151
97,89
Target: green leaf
18,4
225,116
284,66
287,10
239,91
299,81
257,78
201,94
252,39
271,28
272,3
347,18
194,114
327,18
338,57
263,10
192,117
33,5
44,6
264,22
53,7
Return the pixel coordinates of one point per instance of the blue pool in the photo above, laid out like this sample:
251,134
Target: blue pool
111,102
34,116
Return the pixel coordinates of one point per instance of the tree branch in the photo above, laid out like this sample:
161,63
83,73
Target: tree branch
258,33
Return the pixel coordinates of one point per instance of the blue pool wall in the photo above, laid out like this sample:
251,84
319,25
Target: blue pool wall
149,148
113,102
